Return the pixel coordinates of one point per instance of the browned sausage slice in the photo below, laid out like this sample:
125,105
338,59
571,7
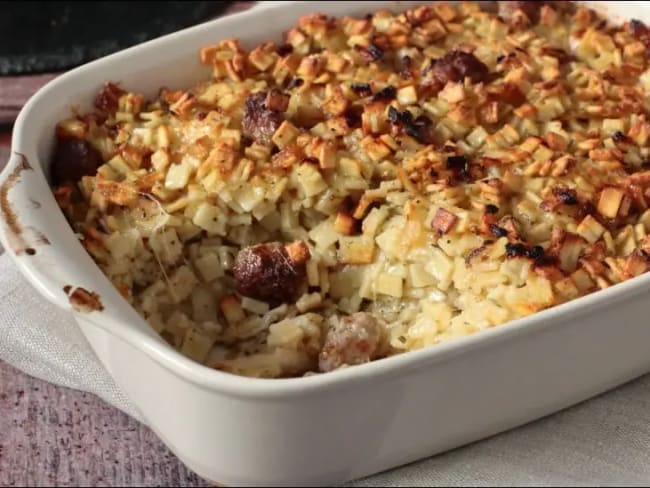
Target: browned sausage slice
73,159
263,115
271,272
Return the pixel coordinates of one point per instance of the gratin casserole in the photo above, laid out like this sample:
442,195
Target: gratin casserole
372,185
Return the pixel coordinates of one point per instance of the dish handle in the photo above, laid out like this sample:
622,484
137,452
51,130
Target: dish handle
30,227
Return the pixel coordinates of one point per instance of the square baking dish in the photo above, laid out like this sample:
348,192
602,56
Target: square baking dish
323,429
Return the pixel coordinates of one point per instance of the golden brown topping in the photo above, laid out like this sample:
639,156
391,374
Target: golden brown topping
513,11
346,224
441,151
122,194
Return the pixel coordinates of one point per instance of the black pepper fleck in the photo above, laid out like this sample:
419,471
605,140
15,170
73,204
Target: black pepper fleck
361,89
514,250
535,252
295,82
567,196
385,94
373,52
498,231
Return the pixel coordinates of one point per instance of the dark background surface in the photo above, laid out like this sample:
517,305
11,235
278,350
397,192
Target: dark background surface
37,37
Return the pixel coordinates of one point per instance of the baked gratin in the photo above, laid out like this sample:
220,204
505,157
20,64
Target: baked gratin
370,186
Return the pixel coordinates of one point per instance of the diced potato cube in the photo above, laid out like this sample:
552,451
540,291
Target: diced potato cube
356,250
542,154
209,267
120,166
373,119
611,126
324,234
407,95
610,201
231,309
570,251
374,221
204,307
350,168
440,266
326,155
285,134
313,278
255,306
250,196
166,245
419,277
389,284
374,148
263,56
310,180
345,224
197,344
210,218
477,137
181,283
178,175
453,93
582,280
308,301
590,229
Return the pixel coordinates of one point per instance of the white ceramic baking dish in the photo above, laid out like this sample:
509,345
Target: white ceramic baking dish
322,429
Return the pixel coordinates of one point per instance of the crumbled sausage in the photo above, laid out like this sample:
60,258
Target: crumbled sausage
74,158
108,98
508,9
456,66
263,115
371,53
350,340
444,220
271,272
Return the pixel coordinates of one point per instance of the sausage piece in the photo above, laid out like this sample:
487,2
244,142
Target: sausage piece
271,272
456,66
108,98
507,10
74,158
351,340
263,115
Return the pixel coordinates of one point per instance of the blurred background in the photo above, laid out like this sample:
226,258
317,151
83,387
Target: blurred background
38,40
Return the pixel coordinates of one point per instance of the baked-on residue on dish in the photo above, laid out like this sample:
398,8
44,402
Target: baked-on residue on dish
372,185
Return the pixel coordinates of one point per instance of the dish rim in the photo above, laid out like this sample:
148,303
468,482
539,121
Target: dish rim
246,387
